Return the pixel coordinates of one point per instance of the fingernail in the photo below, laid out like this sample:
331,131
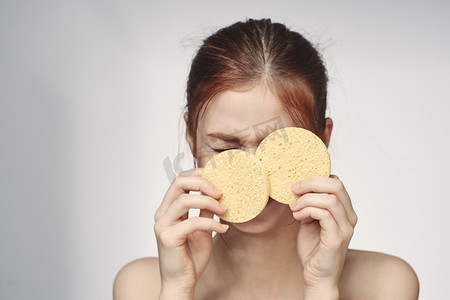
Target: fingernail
296,187
223,206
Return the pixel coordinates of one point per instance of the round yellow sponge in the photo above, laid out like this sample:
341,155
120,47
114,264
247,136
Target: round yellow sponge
243,181
289,155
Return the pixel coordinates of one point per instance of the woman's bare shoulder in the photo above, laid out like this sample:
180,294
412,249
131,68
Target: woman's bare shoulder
139,279
366,275
374,275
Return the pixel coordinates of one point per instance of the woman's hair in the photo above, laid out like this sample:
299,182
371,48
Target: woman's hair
258,51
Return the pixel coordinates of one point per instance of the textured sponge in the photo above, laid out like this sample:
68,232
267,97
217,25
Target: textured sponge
289,155
243,181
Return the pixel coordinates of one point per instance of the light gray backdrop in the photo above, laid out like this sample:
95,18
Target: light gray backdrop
91,94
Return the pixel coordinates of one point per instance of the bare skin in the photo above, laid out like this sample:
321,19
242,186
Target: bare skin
296,251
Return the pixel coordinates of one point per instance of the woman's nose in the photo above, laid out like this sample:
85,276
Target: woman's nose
251,150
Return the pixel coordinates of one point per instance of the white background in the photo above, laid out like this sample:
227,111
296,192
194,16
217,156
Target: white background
91,98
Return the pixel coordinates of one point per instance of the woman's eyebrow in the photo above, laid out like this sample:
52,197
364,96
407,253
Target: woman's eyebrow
230,138
225,137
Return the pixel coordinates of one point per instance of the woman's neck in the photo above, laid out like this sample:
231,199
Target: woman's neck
257,264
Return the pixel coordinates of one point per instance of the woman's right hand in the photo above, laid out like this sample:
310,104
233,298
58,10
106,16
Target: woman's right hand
185,244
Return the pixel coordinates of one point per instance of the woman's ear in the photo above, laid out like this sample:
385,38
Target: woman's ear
326,135
188,135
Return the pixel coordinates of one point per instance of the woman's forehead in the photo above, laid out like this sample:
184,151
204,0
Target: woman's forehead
255,111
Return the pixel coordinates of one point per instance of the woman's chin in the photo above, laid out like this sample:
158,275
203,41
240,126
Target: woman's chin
272,215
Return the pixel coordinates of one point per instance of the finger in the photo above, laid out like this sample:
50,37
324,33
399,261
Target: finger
192,172
186,201
331,185
176,235
330,233
324,201
183,185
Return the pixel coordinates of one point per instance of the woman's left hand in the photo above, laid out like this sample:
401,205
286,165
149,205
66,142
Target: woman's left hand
327,222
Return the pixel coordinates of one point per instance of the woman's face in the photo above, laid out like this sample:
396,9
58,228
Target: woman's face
240,120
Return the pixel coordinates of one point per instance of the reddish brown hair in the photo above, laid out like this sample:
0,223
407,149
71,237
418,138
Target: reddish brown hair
247,53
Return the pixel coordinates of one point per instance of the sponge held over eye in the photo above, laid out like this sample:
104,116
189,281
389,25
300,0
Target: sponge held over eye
243,181
289,155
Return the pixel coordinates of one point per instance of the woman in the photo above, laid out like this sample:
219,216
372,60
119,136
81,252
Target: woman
246,81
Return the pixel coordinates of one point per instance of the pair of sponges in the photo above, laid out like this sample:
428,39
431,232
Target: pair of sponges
284,157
